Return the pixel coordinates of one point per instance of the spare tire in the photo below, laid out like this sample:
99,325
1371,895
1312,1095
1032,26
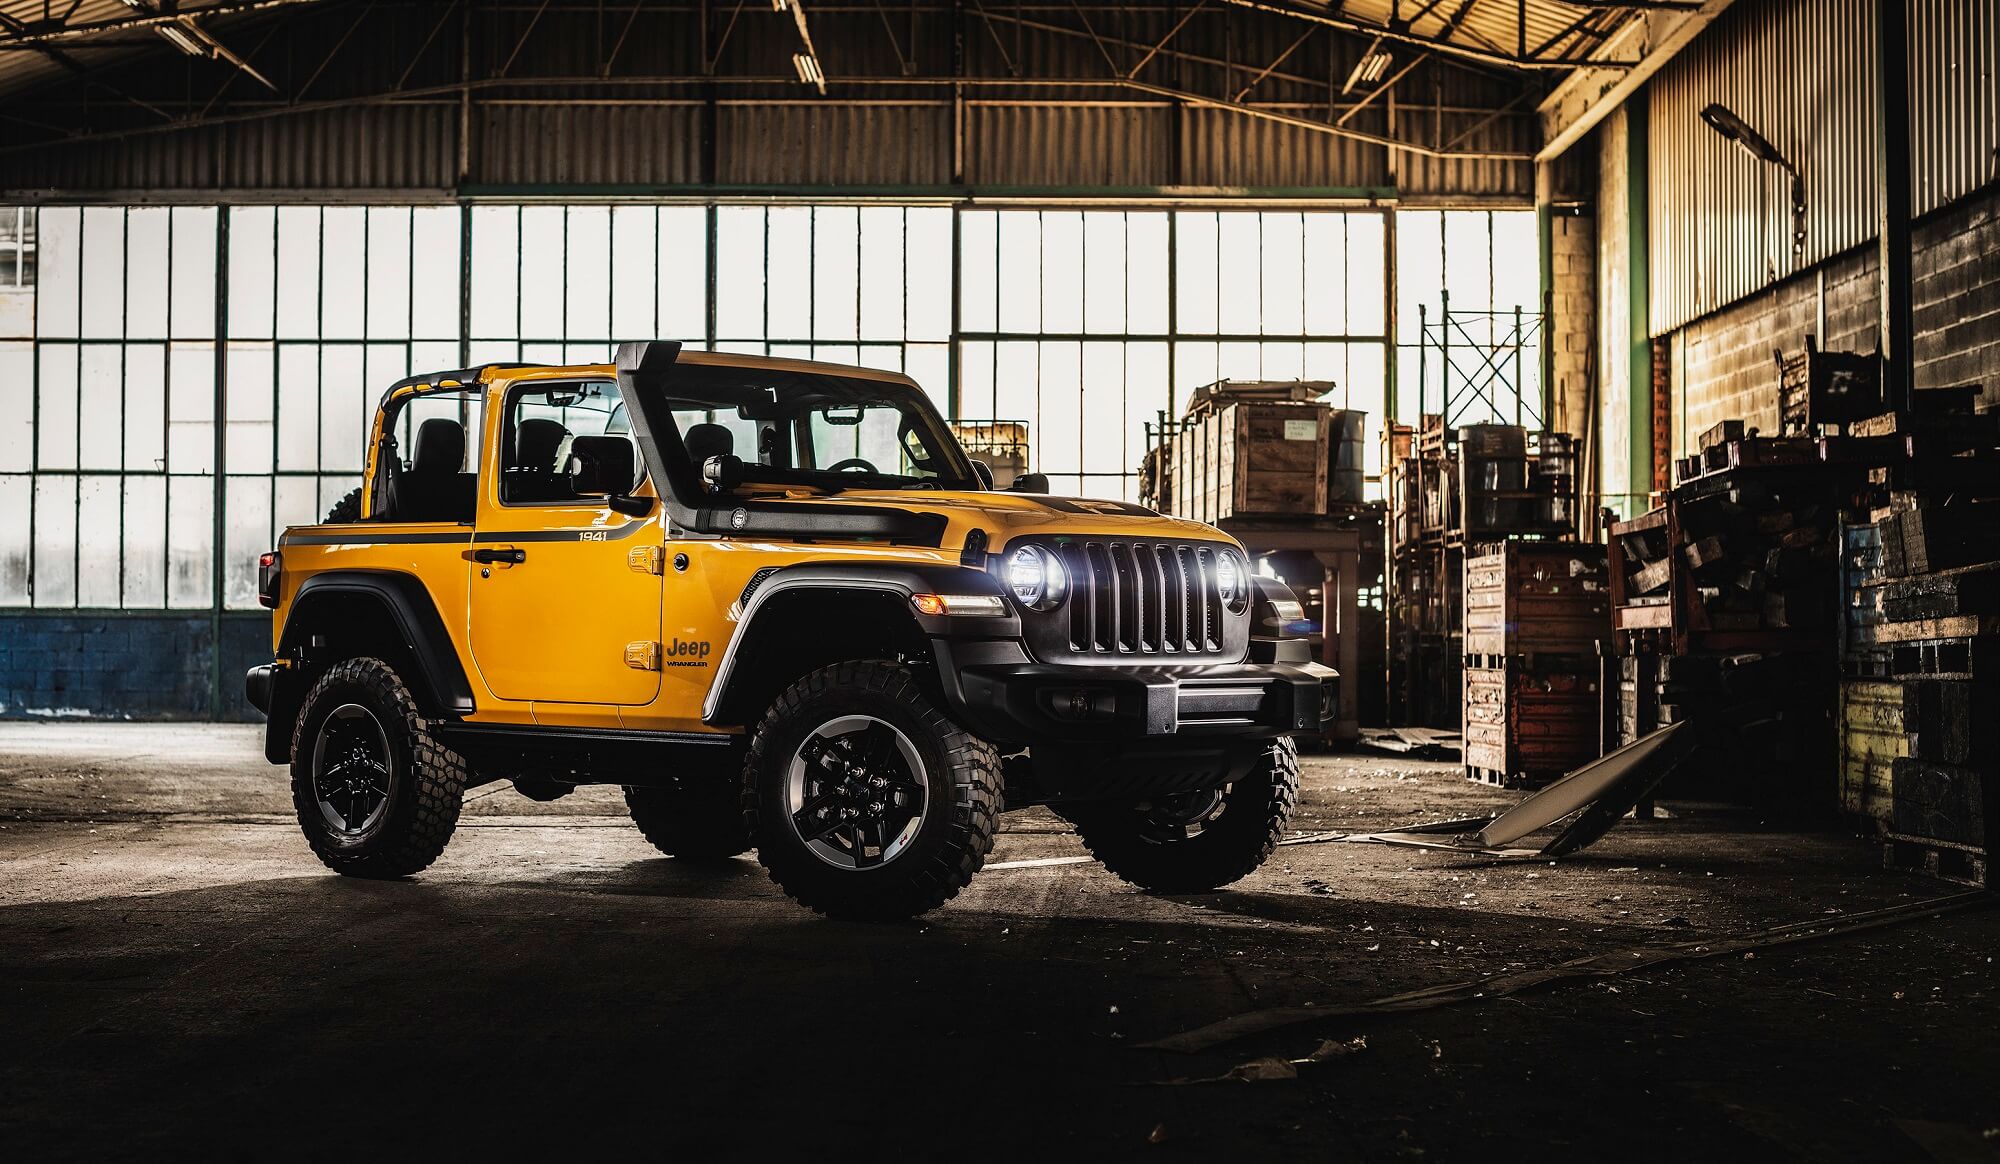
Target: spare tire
346,509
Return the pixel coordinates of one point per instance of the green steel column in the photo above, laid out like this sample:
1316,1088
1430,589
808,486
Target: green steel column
1637,288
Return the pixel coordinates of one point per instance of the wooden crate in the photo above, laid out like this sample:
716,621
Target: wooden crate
1527,598
1531,724
1873,736
1281,459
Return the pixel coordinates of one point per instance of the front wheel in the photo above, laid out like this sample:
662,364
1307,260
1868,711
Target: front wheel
375,794
1192,842
865,800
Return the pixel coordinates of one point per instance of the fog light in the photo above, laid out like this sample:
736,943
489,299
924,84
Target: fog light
1081,703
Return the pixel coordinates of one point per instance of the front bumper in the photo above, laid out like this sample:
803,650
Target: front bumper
1004,696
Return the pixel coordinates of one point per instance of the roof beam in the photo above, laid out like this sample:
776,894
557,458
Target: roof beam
36,36
1368,28
1590,93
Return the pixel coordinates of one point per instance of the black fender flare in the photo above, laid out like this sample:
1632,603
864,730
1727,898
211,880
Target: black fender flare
437,681
899,579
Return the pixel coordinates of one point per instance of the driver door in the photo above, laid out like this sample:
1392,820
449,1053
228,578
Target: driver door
565,591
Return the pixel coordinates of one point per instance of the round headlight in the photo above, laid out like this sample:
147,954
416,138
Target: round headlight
1230,583
1036,578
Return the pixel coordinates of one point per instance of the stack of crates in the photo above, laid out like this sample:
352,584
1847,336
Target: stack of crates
1537,625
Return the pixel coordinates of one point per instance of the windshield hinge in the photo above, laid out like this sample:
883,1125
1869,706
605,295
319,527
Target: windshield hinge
647,559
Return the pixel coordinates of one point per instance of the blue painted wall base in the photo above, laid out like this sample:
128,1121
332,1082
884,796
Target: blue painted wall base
88,665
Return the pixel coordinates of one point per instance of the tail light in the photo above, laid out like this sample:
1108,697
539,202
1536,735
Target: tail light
270,567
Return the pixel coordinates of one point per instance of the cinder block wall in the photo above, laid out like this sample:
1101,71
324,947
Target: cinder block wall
1724,360
127,666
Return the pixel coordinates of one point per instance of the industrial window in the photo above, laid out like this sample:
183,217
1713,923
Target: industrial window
177,384
1471,281
1089,325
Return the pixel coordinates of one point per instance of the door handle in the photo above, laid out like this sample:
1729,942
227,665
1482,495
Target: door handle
511,557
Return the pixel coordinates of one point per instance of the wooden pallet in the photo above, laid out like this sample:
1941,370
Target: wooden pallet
1518,780
1945,658
1944,860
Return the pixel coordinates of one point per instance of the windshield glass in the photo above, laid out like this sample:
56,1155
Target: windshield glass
824,431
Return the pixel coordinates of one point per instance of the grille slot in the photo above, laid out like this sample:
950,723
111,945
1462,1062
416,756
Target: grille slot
1142,598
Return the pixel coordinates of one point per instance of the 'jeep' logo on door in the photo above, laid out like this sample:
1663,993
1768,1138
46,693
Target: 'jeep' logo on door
687,654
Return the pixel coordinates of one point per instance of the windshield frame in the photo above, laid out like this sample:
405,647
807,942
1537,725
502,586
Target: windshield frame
789,396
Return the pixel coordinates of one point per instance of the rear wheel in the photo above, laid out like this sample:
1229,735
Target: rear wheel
866,801
699,817
1191,842
376,796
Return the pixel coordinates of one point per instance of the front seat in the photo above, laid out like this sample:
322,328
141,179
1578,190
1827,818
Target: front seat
533,474
433,488
708,440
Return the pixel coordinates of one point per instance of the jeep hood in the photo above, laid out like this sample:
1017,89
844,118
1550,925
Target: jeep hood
1008,515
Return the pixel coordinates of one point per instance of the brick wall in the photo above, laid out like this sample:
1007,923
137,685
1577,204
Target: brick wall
1573,322
1724,362
126,666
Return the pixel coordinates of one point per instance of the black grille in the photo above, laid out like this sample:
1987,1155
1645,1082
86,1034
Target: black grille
1142,598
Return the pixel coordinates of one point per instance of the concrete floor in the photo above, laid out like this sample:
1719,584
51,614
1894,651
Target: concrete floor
179,976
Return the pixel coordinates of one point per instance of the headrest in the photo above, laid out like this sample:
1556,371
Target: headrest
440,447
708,440
536,441
601,464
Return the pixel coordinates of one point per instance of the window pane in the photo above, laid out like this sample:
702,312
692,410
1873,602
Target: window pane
928,258
16,495
543,273
739,272
17,409
683,274
1062,271
635,285
978,265
145,555
1195,273
495,258
788,259
836,273
343,272
883,273
1283,288
388,273
252,270
190,538
103,272
1238,294
298,272
1327,274
1366,241
58,275
1020,296
193,277
1146,276
587,274
146,274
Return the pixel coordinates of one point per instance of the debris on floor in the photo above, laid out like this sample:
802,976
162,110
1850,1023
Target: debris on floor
1272,1068
1597,795
1603,965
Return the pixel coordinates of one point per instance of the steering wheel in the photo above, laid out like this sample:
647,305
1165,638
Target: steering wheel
865,466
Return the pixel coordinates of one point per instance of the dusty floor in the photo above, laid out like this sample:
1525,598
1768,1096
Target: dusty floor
178,976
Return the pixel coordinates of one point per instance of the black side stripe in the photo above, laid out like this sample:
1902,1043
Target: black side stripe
363,536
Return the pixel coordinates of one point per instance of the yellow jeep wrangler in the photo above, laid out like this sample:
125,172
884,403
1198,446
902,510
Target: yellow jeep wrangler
780,605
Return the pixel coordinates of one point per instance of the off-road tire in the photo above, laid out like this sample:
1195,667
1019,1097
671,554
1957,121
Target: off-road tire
345,510
426,792
699,817
962,774
1255,811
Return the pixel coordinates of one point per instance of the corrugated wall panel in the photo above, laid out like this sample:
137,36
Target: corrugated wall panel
833,145
1223,148
588,145
1038,145
1803,74
386,147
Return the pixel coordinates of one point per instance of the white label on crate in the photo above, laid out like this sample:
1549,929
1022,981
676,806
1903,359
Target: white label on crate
1301,430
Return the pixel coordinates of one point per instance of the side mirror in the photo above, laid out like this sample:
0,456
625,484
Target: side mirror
603,466
983,472
1030,483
